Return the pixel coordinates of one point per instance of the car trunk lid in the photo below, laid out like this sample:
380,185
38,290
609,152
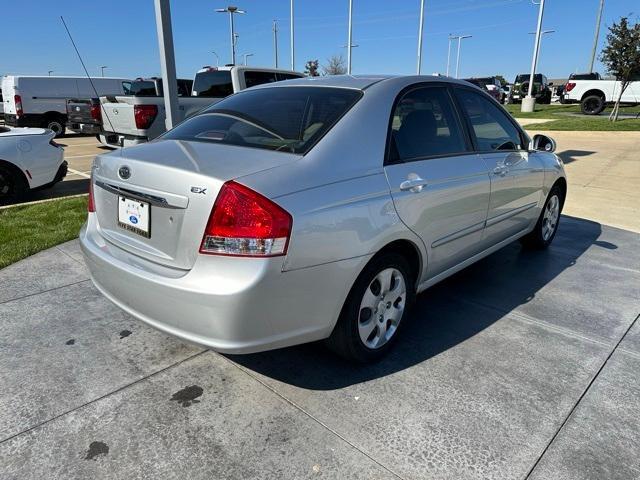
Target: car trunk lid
178,182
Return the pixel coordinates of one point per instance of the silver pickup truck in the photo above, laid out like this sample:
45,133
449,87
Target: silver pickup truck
133,119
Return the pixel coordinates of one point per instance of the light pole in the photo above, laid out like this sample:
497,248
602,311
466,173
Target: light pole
420,37
529,102
449,54
596,37
102,67
275,41
49,73
459,38
291,32
217,58
350,37
245,56
231,11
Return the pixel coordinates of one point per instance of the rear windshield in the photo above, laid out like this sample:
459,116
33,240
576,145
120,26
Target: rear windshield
214,83
141,88
584,76
290,119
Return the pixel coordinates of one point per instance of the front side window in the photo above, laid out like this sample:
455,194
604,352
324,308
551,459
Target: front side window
213,83
424,124
492,128
289,119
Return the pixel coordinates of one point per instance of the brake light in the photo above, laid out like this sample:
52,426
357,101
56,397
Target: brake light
246,224
96,113
569,86
144,115
91,204
18,101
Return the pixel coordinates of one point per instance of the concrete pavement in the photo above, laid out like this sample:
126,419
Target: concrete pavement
521,366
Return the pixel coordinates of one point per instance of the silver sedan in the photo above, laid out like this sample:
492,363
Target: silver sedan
315,209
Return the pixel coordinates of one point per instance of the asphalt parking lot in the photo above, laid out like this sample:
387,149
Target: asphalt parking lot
522,366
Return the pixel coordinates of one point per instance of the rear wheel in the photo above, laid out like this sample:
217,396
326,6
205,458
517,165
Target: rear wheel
13,186
547,225
57,125
592,105
380,299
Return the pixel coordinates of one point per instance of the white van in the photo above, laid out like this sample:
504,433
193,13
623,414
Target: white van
42,101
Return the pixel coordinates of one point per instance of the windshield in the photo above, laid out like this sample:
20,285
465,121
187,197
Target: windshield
213,83
289,119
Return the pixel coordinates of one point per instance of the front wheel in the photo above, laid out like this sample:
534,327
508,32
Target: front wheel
545,230
380,299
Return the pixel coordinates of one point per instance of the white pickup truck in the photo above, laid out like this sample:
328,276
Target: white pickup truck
594,95
132,119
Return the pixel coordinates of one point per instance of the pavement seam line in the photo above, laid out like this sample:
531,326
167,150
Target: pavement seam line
584,393
312,417
97,399
45,291
65,253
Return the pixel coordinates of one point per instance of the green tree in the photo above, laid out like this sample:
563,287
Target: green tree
621,56
311,68
503,81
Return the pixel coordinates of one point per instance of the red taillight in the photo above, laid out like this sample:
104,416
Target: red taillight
96,113
144,115
569,86
244,223
18,101
91,204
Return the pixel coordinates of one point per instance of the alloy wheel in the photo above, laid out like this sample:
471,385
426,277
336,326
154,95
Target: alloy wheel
550,217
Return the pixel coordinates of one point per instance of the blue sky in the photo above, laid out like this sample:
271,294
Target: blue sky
122,34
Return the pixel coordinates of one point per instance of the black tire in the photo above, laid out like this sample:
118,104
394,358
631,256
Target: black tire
546,99
592,105
13,185
537,239
345,339
57,125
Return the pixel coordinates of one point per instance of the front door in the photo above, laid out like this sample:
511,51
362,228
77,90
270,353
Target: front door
516,175
440,187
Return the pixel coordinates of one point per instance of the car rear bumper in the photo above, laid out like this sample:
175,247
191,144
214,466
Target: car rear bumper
116,140
86,128
232,305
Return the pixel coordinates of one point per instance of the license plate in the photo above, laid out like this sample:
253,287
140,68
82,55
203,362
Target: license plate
134,215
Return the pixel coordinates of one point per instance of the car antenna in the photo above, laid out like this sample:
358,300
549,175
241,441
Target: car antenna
86,71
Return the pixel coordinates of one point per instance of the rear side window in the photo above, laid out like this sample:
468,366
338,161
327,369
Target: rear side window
252,78
215,83
490,124
424,124
289,119
287,76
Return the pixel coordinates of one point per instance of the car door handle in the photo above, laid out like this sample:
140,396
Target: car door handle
501,170
415,185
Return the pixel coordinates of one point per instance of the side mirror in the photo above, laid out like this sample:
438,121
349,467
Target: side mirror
543,143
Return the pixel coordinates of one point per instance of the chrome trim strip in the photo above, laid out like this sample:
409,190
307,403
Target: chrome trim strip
505,216
459,234
143,197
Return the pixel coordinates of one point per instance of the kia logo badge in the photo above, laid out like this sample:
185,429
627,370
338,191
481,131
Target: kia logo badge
124,172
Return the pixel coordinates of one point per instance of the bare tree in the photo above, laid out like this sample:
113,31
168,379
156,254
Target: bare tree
336,65
622,57
311,68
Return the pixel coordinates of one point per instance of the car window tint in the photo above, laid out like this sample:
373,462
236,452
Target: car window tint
288,76
285,119
252,78
213,83
424,124
490,124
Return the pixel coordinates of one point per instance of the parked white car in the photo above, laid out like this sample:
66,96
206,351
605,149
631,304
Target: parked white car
29,159
42,101
131,120
594,95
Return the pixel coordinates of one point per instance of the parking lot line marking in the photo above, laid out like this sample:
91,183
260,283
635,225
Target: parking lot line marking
80,156
76,172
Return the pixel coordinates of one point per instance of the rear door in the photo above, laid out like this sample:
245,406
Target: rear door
440,187
516,174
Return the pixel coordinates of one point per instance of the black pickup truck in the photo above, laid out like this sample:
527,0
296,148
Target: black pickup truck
84,115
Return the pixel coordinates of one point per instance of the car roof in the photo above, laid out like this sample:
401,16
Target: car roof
358,82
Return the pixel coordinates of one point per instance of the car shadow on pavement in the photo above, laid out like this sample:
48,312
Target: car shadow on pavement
444,316
59,190
569,156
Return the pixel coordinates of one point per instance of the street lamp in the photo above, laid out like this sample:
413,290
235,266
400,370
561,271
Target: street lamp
529,102
596,36
231,11
217,58
420,37
49,72
102,67
350,37
245,56
275,41
459,38
291,39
